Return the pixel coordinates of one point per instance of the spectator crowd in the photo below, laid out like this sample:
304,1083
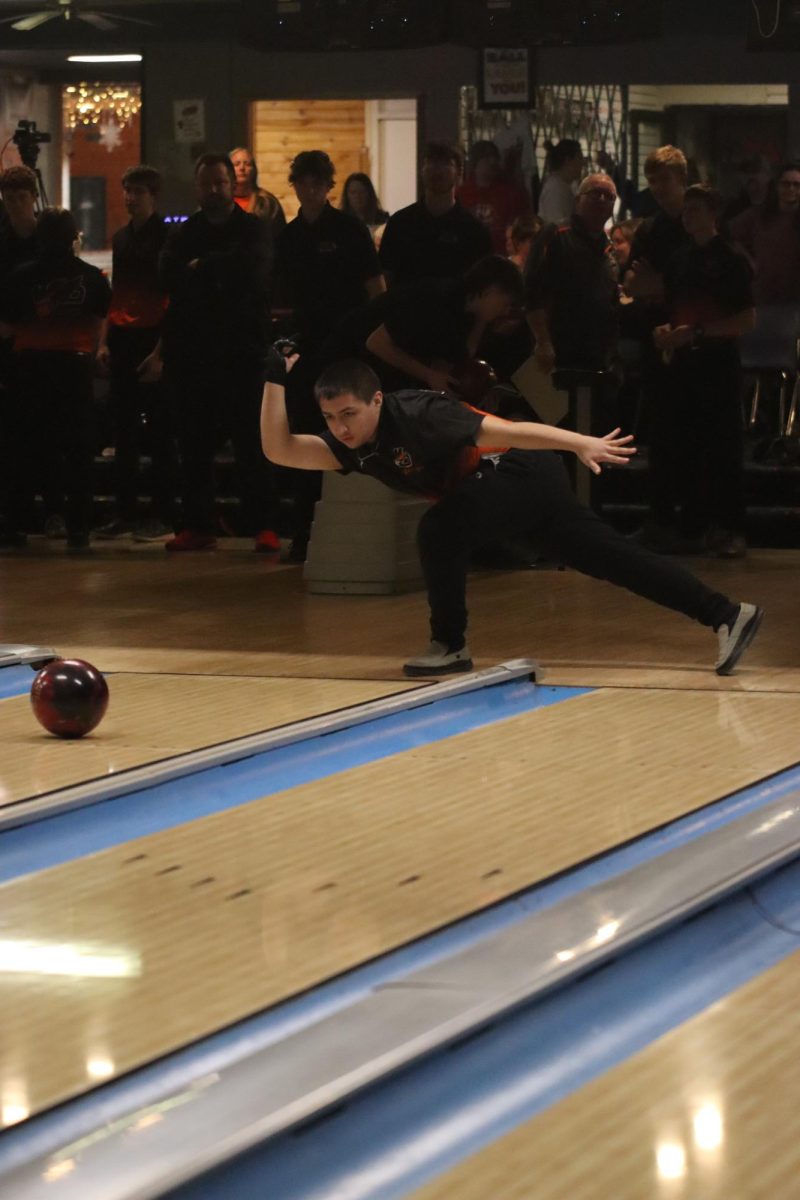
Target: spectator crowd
657,309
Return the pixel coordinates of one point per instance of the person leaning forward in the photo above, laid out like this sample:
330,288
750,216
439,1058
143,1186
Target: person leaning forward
427,444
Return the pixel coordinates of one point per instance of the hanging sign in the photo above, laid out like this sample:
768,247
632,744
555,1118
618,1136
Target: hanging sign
506,78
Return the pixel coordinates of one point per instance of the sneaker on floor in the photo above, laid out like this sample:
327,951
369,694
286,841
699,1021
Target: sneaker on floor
190,539
734,639
153,531
439,660
118,528
55,528
267,542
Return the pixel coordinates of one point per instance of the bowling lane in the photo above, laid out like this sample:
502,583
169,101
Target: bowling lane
708,1112
153,717
134,951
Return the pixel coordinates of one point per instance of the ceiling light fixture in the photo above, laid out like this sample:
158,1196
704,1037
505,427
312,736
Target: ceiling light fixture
104,58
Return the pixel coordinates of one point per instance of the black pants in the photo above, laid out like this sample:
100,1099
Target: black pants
696,450
132,400
529,490
48,436
213,400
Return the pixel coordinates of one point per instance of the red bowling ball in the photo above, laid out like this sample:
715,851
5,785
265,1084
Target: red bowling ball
473,379
69,697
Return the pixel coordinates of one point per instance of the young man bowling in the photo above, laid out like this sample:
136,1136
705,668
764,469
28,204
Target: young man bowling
483,474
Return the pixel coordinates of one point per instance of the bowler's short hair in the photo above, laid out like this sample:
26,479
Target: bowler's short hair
494,271
443,152
707,195
215,160
314,163
348,377
56,229
18,179
143,176
667,158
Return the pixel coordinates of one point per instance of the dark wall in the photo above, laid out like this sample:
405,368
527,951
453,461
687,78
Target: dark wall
227,76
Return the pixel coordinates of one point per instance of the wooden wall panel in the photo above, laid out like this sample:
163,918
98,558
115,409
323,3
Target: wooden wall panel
282,128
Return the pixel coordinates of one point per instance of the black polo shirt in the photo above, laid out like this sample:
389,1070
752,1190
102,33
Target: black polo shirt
429,320
705,283
138,299
572,274
424,445
417,245
14,250
54,304
658,239
323,267
218,308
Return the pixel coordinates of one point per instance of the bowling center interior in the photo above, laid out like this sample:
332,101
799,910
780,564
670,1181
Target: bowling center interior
279,916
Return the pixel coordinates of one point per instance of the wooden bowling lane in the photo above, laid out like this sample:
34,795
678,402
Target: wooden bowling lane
707,1112
153,717
231,614
198,926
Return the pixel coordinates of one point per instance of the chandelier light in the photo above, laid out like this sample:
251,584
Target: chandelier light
97,103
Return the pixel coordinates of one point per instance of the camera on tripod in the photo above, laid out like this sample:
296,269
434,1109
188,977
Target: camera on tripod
27,138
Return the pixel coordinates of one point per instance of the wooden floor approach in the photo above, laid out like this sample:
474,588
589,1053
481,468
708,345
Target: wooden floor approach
217,918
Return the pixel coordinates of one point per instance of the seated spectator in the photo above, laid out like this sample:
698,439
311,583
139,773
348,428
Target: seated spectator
360,199
770,234
696,439
565,163
435,238
53,306
249,196
571,288
519,239
130,349
429,329
490,195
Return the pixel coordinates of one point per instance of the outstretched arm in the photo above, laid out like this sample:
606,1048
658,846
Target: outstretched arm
529,435
304,451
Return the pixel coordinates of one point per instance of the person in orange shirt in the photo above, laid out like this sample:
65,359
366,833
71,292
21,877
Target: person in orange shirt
130,349
53,308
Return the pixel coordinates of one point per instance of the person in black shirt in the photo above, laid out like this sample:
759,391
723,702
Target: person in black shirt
53,307
435,238
216,271
428,329
327,266
571,288
483,473
129,348
696,438
18,229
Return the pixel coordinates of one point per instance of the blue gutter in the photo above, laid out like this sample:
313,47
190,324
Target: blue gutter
81,831
398,1135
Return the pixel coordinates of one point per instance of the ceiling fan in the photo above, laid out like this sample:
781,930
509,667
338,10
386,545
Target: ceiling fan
67,10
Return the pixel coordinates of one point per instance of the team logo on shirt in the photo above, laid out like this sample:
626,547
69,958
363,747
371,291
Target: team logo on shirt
59,295
402,459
